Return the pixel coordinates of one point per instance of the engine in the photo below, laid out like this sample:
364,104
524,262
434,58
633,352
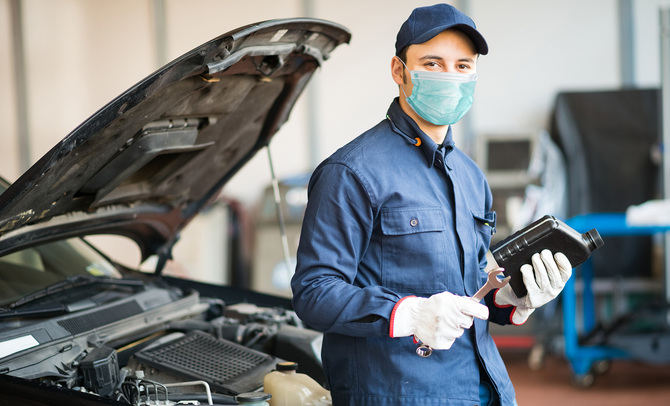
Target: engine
164,347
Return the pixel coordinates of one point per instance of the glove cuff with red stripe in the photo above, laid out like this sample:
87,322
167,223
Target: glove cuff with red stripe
505,297
402,317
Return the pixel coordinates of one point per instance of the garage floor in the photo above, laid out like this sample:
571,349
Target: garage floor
626,383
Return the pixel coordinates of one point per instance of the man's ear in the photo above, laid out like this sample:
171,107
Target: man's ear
397,71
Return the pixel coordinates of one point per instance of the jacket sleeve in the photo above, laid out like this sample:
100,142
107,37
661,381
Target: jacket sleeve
336,231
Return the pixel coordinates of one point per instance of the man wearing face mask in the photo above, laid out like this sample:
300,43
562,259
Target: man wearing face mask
394,240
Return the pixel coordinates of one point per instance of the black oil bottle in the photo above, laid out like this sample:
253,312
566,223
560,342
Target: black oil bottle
545,233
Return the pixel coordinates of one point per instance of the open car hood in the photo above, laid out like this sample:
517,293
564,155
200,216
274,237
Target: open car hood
148,161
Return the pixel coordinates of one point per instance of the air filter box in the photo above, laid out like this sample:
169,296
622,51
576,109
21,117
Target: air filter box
228,367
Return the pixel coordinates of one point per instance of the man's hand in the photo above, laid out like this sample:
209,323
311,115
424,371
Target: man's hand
436,321
544,280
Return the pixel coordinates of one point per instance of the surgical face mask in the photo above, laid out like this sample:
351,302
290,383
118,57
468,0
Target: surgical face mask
441,98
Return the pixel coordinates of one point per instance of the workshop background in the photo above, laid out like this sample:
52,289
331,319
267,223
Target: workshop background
62,60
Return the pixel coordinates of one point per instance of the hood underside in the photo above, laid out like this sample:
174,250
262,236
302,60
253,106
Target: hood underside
147,162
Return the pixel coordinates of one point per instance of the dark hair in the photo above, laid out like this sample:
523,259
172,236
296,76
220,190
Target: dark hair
403,54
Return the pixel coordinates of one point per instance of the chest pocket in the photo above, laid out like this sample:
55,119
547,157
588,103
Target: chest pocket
485,227
413,249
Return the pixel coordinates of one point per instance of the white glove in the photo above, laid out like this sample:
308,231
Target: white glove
544,280
436,321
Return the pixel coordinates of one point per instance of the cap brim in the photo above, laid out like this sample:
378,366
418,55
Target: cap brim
477,40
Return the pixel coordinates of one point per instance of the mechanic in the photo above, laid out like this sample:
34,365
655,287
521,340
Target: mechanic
394,240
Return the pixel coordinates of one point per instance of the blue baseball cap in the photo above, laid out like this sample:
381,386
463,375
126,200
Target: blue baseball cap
426,22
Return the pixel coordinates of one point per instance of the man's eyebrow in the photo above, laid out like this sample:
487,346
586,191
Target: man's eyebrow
423,58
439,58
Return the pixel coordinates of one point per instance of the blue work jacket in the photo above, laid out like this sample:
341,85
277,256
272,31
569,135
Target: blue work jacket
393,214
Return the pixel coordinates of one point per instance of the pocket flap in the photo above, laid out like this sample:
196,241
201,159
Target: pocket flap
412,220
487,219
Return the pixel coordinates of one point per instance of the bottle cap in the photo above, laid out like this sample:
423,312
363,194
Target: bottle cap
287,366
596,241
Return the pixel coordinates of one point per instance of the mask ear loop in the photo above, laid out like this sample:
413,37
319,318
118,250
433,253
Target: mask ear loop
402,88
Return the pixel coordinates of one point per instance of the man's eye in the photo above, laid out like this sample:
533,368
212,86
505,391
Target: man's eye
463,67
431,64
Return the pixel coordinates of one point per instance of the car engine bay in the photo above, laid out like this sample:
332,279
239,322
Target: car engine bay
159,345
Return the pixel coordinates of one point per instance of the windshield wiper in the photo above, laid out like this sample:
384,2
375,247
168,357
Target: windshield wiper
54,309
72,282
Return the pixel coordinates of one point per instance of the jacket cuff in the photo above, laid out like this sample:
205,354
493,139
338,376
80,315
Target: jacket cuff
392,321
499,314
521,316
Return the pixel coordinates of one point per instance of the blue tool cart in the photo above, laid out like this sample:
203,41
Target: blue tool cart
587,360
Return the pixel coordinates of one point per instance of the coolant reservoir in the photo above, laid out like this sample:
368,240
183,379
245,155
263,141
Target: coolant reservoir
289,388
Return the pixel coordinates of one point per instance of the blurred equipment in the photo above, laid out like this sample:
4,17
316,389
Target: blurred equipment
549,194
610,140
611,144
651,213
505,158
639,331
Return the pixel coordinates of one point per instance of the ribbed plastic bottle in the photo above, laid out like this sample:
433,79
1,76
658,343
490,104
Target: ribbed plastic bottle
289,388
545,233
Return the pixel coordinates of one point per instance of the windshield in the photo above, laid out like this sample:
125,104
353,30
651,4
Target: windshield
34,268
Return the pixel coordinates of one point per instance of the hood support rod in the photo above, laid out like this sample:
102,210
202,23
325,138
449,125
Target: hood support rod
280,213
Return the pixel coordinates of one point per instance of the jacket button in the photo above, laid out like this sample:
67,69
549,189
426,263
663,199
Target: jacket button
414,222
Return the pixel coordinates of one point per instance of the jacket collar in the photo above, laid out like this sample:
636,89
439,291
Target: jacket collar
406,127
